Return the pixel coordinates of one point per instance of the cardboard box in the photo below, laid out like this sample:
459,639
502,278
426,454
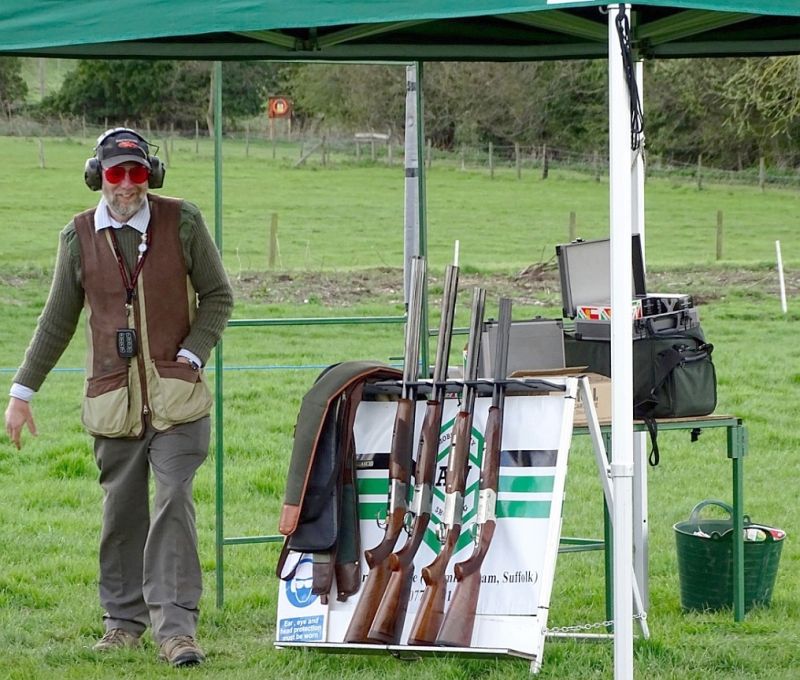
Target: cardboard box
600,386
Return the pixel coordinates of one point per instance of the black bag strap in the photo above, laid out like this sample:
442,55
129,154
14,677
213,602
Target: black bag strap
652,428
668,360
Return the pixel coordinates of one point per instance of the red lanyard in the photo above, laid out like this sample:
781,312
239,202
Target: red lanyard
130,282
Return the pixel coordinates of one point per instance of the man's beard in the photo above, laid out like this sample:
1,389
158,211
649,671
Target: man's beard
122,208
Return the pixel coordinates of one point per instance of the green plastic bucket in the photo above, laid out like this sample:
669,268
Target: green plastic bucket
705,560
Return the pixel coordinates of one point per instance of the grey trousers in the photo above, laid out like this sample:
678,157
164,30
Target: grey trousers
149,567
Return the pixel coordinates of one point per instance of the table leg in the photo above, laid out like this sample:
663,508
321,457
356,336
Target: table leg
737,448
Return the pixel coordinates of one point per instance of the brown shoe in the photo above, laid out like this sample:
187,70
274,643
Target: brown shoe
117,638
181,650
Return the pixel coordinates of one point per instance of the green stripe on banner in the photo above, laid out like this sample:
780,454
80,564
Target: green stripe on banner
371,510
375,486
523,509
527,484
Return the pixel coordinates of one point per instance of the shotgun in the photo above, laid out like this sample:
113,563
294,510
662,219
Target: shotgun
459,622
431,610
400,462
391,614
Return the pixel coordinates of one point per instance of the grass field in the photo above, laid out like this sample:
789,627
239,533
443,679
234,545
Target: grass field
344,223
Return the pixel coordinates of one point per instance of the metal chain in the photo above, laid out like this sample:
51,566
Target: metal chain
588,626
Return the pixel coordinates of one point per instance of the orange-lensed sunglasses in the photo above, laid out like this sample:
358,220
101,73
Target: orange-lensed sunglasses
138,174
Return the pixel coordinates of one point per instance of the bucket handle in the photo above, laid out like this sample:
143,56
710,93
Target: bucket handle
710,501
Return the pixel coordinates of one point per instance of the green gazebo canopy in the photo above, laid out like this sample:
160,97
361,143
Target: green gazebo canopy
391,29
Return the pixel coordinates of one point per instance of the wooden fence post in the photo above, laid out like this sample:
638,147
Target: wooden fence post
699,172
166,152
463,157
42,163
247,140
545,169
762,173
491,160
719,235
517,160
573,226
430,153
196,136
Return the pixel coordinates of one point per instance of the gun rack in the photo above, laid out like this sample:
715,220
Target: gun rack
484,386
513,606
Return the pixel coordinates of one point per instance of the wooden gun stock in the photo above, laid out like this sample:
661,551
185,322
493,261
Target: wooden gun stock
390,616
378,577
431,610
458,624
378,557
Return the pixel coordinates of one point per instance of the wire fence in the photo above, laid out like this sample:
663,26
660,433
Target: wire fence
310,145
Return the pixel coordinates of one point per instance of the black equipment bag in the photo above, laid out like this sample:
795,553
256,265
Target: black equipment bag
676,377
673,374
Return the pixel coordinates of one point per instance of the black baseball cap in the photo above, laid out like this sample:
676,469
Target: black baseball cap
123,146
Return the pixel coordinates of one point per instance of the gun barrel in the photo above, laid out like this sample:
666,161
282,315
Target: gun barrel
445,329
473,349
413,324
501,352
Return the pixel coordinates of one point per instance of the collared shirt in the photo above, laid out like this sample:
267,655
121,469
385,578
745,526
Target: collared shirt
103,218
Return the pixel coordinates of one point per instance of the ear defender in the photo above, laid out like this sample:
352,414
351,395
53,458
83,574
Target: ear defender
93,170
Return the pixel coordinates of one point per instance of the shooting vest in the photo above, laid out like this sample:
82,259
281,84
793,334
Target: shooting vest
122,393
320,509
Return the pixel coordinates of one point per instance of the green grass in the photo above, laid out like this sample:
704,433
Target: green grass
350,217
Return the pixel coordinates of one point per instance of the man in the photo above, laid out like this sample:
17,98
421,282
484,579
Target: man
157,300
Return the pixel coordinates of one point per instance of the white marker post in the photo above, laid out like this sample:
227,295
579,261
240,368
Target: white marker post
781,281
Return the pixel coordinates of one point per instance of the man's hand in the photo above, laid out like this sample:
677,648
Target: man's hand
18,414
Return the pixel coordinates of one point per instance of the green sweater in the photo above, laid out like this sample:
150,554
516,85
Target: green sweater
61,312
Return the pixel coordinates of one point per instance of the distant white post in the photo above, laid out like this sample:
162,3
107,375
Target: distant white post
781,281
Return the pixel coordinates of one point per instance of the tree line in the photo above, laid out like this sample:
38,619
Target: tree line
731,112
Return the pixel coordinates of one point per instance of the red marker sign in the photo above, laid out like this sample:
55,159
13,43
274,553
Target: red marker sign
279,107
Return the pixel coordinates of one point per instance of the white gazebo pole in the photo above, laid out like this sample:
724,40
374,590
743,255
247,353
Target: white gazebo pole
641,535
620,216
412,155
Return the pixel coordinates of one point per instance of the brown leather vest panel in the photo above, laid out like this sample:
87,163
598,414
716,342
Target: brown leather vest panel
163,279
